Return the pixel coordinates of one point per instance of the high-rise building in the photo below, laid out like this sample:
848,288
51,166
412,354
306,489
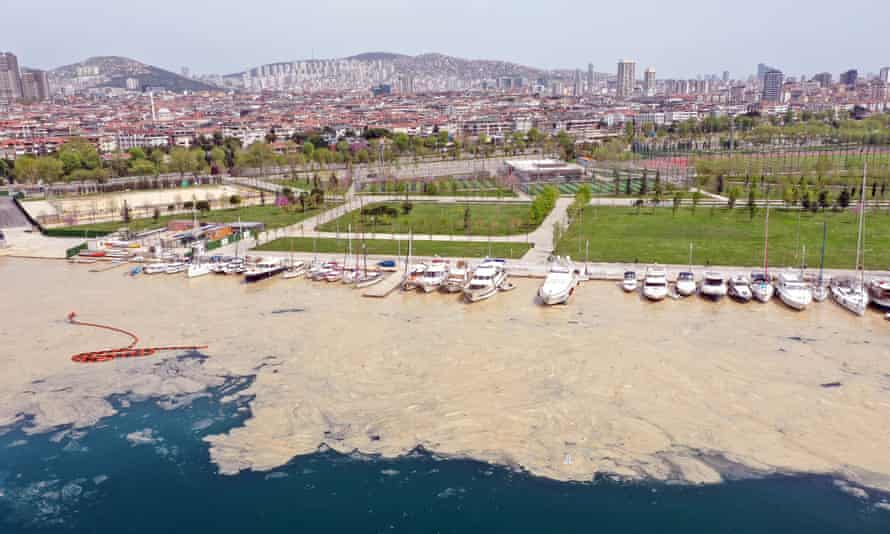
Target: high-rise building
186,73
824,79
590,78
885,75
849,78
649,81
35,85
576,89
626,78
725,76
10,77
772,85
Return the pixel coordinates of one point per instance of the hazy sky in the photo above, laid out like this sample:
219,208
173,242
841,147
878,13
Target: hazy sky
679,38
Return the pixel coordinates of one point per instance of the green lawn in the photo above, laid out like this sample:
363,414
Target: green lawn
440,219
272,216
724,237
487,193
387,247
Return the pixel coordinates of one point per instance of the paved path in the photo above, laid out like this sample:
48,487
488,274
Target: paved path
11,216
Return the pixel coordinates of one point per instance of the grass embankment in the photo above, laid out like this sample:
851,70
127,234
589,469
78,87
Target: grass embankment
272,216
388,247
439,219
725,237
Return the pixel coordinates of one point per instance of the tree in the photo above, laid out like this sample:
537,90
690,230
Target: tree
202,205
234,200
733,196
752,206
181,161
678,198
468,218
696,199
843,200
218,157
26,170
644,185
407,207
143,167
257,156
616,179
156,214
49,169
125,212
627,185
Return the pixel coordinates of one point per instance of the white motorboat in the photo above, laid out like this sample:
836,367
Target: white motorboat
850,293
335,274
655,285
176,267
685,284
487,278
879,293
761,287
793,291
155,268
263,270
560,284
740,288
198,269
713,285
434,276
296,270
629,284
458,277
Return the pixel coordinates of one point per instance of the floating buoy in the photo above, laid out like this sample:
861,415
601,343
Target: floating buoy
130,351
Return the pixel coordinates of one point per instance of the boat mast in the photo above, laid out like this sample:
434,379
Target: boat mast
766,238
822,259
859,251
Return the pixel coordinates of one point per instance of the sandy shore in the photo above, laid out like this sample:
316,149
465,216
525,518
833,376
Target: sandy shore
687,390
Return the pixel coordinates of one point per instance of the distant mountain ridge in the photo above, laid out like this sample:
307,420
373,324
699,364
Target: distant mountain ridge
429,64
114,71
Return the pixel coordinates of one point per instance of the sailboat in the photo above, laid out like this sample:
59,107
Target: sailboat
851,293
367,279
820,291
761,285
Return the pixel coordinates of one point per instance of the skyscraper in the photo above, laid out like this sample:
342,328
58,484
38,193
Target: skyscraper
10,77
35,85
824,79
626,78
885,75
849,78
649,81
590,78
772,85
725,76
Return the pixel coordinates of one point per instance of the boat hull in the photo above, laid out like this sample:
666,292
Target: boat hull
252,278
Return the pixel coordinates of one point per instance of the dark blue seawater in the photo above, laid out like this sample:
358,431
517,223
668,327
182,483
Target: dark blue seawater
148,470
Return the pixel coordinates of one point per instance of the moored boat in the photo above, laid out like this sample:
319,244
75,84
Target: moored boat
655,285
560,284
487,278
850,294
685,284
263,270
434,276
295,270
739,288
458,277
713,285
629,283
879,293
793,291
761,287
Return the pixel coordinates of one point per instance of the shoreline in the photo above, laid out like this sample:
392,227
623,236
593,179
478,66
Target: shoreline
607,383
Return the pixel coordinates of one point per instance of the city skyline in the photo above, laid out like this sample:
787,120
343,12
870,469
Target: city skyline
213,43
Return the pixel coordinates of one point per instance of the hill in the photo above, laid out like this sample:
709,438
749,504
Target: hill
114,71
